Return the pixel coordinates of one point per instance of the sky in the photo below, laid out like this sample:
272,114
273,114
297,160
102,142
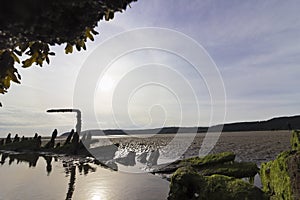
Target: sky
255,46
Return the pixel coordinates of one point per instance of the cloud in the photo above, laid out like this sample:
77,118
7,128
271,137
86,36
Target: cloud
253,43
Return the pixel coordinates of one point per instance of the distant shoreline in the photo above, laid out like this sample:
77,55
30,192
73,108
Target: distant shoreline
274,124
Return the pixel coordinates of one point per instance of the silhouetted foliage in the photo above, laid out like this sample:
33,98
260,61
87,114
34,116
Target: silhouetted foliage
29,28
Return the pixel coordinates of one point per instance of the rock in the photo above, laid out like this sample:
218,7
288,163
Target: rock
211,159
152,160
143,157
186,183
8,139
16,138
197,162
51,143
24,145
128,160
112,165
68,140
281,177
295,140
236,170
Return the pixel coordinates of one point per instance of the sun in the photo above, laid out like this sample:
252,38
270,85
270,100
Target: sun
106,83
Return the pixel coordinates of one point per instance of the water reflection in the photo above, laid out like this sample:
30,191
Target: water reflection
23,173
69,165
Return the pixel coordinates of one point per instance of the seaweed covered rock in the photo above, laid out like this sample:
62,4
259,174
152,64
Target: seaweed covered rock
197,162
221,163
295,140
281,177
210,160
186,183
235,169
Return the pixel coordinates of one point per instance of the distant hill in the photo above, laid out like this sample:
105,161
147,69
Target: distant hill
278,123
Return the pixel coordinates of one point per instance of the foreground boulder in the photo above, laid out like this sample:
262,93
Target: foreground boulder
281,177
187,183
295,140
197,162
221,163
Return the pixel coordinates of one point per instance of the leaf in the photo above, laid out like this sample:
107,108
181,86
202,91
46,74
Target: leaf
94,32
15,79
6,82
19,53
47,60
18,75
15,57
89,35
27,63
39,61
78,47
69,48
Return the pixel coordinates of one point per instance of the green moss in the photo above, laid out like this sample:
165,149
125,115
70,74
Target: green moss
224,187
196,162
237,170
275,177
295,140
209,160
186,183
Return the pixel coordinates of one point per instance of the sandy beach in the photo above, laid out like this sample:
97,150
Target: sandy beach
258,147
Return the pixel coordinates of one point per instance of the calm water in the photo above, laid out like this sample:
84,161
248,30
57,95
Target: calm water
44,177
47,177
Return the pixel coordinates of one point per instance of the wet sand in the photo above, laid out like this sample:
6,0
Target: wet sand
22,182
258,147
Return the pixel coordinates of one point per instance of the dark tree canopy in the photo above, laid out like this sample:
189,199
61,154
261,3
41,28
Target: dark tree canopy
30,27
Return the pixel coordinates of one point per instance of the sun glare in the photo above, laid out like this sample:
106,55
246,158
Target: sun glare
96,197
106,83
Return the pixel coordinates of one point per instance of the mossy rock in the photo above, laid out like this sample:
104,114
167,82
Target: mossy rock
197,162
295,140
236,170
210,160
186,183
280,178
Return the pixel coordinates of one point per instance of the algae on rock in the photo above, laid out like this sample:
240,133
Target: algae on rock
186,183
295,140
281,177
